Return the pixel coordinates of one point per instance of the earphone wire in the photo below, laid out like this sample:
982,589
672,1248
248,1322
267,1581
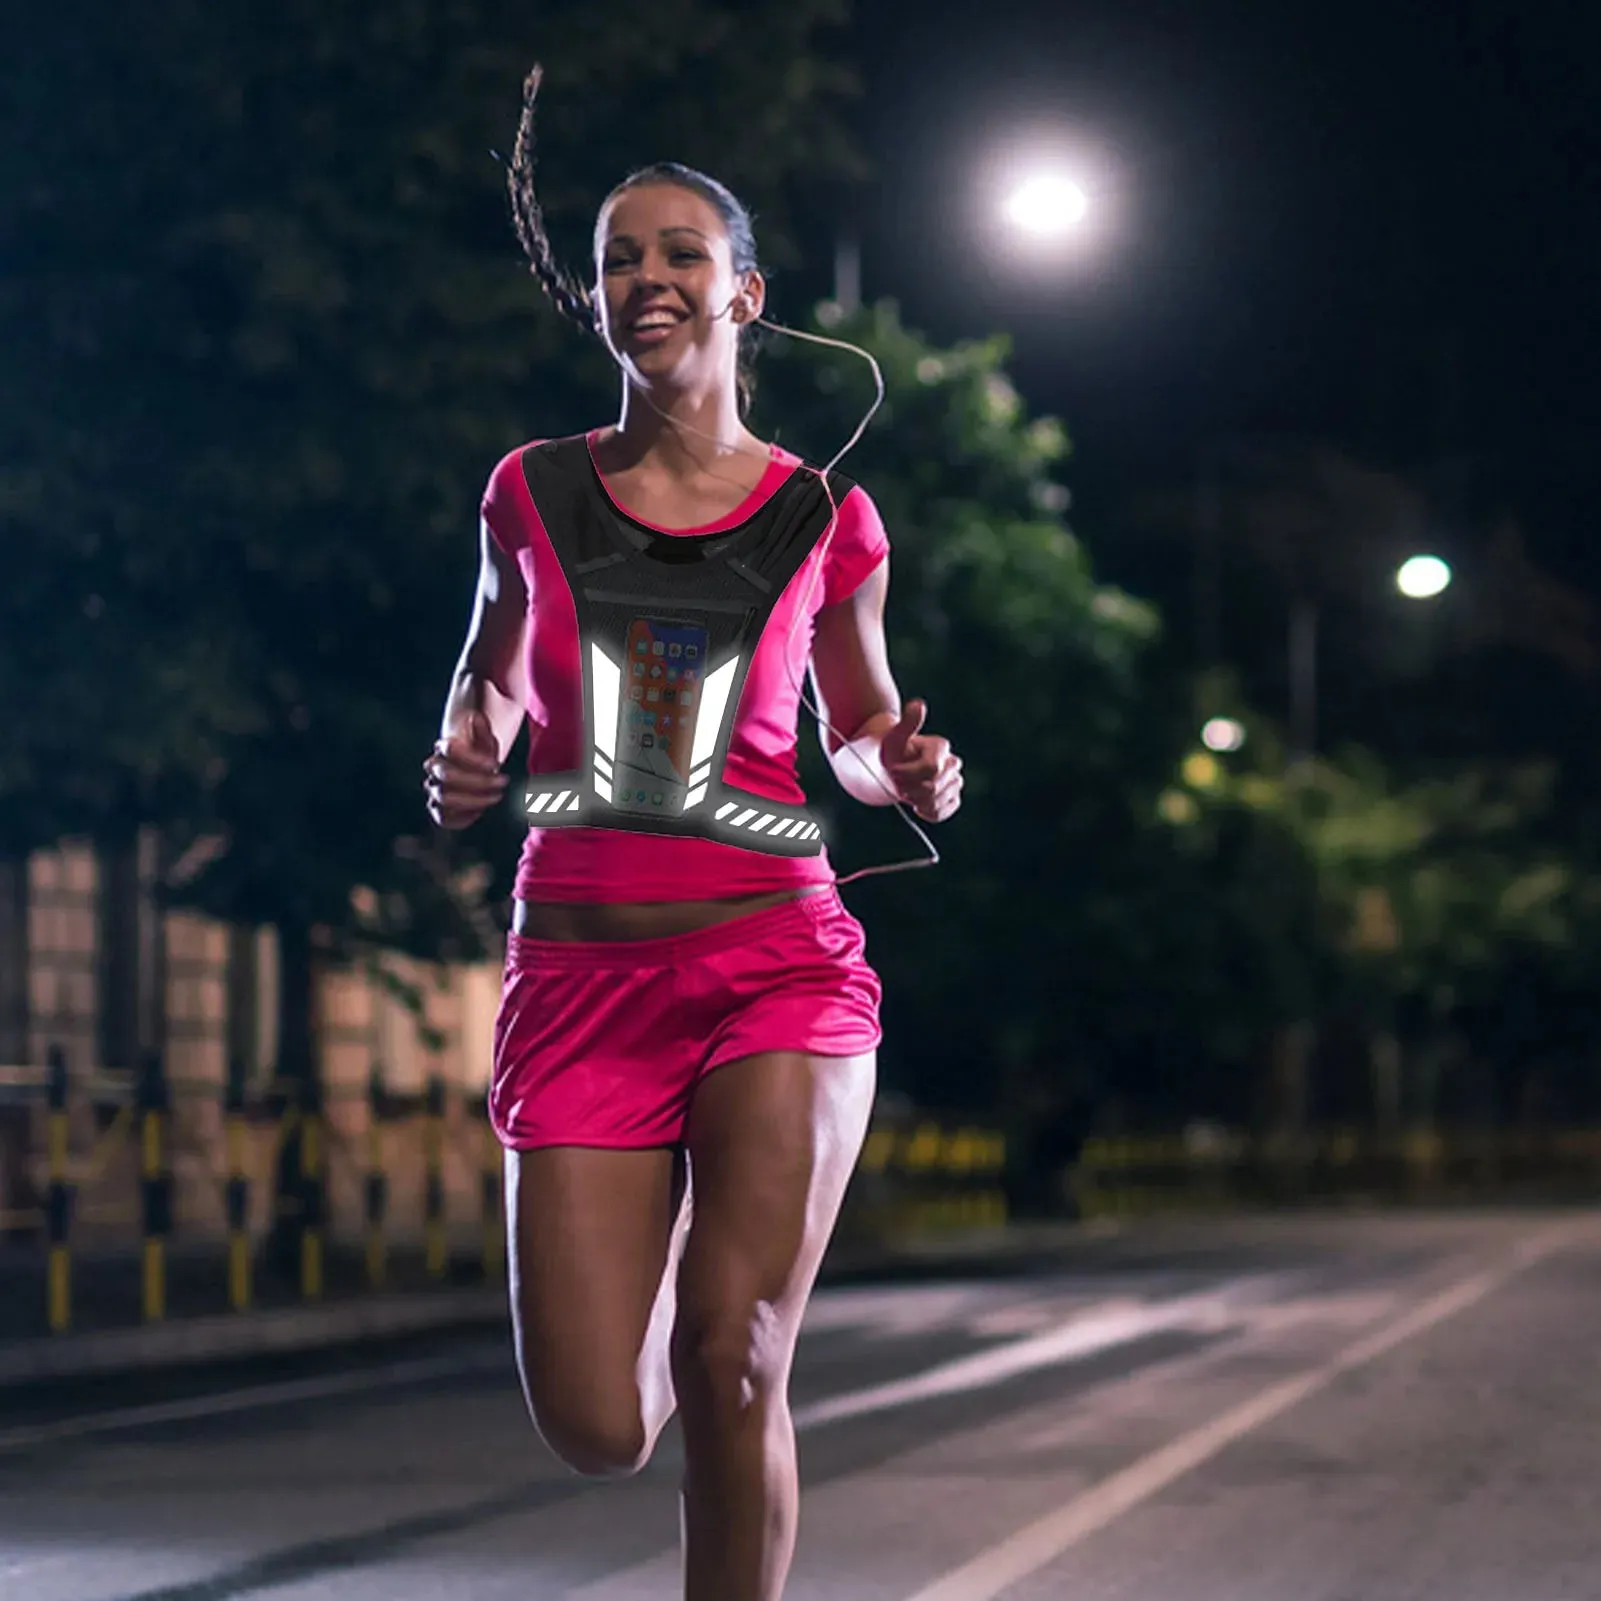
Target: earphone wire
932,859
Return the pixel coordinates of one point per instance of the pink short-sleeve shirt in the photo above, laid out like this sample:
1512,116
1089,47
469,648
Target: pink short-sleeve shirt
601,864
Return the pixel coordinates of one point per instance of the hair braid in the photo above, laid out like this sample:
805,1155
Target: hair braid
571,299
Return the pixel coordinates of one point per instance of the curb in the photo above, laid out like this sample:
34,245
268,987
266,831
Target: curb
222,1336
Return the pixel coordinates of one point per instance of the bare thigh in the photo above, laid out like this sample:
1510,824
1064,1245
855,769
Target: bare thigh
591,1241
773,1141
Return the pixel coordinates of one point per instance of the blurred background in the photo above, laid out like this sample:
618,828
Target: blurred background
1238,458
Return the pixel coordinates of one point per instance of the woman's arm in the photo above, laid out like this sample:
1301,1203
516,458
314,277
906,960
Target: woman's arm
487,699
855,688
886,757
491,673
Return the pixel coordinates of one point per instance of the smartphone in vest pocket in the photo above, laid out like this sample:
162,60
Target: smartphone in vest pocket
662,675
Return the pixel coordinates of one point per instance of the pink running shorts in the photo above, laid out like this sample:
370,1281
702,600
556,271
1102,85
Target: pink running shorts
602,1043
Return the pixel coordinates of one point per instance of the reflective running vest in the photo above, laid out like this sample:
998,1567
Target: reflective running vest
667,627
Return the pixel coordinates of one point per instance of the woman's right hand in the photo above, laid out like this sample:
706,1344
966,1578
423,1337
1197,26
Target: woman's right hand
462,777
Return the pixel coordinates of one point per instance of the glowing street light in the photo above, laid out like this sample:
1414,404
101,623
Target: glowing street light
1048,205
1418,578
1422,577
1223,734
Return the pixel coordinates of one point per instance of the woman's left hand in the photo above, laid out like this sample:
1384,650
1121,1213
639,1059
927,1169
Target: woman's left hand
922,769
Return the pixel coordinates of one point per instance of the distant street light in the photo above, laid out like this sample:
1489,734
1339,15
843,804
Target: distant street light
1422,577
1418,578
1223,734
1048,205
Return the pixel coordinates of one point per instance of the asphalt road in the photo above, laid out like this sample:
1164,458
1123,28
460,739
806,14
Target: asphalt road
1287,1410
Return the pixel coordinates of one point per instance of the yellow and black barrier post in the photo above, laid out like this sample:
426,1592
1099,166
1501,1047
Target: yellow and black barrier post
313,1199
929,1175
433,1134
240,1287
491,1203
377,1197
58,1215
283,1242
877,1150
155,1183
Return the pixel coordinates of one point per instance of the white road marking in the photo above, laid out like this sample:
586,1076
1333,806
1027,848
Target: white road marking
1098,1328
895,1311
1034,1547
1011,1322
1255,1326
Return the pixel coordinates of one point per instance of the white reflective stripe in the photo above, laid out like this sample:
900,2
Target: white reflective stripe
724,810
695,796
744,817
606,689
787,826
701,774
761,823
603,765
709,715
812,831
539,803
578,801
603,788
560,801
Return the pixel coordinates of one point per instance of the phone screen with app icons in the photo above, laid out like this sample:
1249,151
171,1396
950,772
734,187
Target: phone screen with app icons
662,675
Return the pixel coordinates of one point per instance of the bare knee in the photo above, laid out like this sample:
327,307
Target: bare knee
597,1448
731,1360
598,1436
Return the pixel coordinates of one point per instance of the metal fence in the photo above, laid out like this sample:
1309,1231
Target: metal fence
134,1160
1219,1169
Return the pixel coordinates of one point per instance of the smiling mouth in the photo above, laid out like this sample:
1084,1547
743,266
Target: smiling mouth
656,322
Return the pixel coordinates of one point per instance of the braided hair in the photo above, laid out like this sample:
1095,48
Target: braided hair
570,297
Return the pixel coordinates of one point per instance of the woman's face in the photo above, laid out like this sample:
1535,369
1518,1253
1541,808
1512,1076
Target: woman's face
671,303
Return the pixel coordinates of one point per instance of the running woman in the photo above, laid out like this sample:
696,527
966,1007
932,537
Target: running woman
685,1052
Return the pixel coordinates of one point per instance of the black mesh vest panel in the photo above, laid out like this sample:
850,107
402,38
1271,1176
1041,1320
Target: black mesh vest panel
667,627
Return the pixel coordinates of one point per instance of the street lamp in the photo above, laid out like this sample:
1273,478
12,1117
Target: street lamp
1043,201
1422,577
1223,734
1418,578
1047,205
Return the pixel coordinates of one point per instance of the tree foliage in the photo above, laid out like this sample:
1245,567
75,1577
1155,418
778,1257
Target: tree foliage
1430,902
269,331
1005,967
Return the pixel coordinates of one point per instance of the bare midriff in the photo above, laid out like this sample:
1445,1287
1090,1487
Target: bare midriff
594,920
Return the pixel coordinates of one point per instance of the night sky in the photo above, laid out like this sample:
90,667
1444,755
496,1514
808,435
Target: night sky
1378,225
